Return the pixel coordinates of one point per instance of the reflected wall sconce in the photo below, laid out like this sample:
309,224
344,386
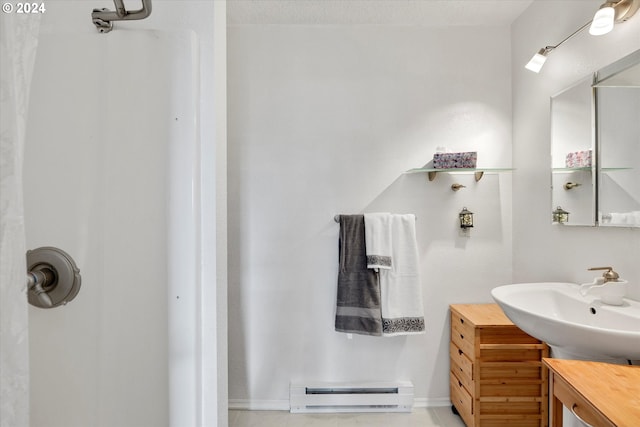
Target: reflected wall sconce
466,219
560,216
609,14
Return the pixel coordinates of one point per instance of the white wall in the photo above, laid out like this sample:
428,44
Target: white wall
542,252
324,120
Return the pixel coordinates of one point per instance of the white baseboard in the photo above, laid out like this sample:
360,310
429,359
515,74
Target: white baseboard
283,405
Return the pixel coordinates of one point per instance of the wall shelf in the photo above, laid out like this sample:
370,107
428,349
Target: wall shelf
477,172
587,169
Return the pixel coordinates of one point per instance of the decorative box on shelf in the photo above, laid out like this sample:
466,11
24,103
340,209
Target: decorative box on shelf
464,160
578,159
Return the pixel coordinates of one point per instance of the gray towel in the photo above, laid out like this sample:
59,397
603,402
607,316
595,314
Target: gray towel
358,303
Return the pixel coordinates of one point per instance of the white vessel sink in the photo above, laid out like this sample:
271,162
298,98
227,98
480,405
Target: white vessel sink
573,325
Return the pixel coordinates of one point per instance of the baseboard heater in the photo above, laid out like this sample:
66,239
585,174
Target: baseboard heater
351,397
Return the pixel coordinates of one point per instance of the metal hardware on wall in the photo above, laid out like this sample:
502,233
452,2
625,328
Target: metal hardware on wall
53,279
103,18
456,186
560,216
571,185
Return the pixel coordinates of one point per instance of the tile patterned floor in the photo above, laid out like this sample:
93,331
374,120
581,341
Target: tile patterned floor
420,417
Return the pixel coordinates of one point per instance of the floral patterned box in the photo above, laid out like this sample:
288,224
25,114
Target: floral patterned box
578,159
465,159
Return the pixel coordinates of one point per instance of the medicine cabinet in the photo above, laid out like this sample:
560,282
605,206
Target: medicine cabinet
595,147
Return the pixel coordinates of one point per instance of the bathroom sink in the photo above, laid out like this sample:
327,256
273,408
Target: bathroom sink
574,326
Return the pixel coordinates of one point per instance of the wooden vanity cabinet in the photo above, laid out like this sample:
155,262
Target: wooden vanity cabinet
497,378
579,386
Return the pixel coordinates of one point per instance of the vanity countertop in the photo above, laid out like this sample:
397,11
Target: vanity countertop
614,390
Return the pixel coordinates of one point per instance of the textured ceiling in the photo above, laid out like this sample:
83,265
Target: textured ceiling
375,12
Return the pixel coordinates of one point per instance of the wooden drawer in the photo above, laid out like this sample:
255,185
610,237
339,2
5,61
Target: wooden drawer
505,335
508,406
532,370
462,334
500,388
510,421
462,400
461,366
571,399
512,353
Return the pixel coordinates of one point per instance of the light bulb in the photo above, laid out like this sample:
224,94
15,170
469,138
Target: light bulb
538,60
602,21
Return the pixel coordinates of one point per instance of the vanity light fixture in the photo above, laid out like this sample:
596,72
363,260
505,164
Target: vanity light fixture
538,60
603,20
560,215
610,13
466,219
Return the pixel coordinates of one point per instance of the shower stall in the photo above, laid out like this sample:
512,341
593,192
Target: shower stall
111,176
105,164
102,173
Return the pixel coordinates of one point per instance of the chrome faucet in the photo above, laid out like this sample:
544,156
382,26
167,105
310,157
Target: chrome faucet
609,275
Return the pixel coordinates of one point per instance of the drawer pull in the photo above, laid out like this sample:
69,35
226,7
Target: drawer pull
573,411
461,336
461,320
459,383
460,352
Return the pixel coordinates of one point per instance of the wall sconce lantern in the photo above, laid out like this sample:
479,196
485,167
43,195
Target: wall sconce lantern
560,215
466,218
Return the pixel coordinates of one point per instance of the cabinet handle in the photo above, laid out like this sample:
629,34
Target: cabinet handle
461,336
459,383
460,352
461,320
573,411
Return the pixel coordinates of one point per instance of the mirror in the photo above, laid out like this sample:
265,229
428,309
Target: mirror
572,147
617,94
595,147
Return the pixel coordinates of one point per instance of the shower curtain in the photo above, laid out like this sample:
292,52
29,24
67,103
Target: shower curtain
18,44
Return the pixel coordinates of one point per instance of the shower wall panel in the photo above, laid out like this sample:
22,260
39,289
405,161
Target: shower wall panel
111,177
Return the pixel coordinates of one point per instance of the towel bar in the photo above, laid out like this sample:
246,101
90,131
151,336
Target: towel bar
336,218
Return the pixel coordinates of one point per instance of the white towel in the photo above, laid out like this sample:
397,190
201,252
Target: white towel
377,233
400,288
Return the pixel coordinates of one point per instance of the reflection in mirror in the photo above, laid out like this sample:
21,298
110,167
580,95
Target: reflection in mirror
571,153
618,134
